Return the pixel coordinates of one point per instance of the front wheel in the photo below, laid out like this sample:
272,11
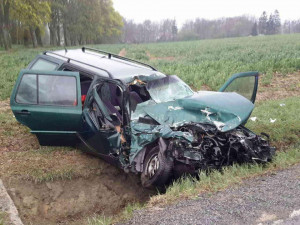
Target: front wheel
157,169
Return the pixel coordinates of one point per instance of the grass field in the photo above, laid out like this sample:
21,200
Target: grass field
204,64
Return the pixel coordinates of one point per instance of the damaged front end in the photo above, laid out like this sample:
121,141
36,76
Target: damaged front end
212,149
179,131
195,146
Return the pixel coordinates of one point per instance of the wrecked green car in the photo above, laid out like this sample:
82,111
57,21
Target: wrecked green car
135,117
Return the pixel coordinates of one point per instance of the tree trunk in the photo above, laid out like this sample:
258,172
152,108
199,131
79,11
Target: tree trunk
33,37
53,39
4,24
4,42
39,36
65,35
7,24
58,34
26,37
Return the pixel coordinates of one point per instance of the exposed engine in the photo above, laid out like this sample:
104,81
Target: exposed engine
214,149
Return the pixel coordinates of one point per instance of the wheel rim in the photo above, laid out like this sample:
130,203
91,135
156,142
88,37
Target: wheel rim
152,166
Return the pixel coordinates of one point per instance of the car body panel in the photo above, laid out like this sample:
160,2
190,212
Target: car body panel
51,123
226,111
118,68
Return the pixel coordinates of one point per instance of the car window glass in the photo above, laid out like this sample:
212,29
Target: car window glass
168,88
57,90
27,91
243,86
42,64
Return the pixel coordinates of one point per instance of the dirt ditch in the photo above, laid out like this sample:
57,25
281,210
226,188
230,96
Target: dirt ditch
70,201
53,185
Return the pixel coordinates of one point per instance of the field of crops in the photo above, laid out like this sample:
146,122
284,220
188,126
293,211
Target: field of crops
202,64
205,62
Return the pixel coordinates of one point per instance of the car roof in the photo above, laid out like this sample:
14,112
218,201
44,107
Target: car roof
103,64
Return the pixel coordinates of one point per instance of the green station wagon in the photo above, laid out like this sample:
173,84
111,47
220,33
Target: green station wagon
135,117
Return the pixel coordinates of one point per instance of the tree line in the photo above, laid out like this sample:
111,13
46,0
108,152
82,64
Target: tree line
201,28
79,22
71,22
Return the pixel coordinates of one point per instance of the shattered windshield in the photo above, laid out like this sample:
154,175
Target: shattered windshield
168,88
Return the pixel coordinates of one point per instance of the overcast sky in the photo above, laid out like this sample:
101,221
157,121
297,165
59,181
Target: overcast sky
181,10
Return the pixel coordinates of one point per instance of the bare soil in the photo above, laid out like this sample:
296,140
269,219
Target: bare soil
167,58
281,86
4,105
123,52
67,201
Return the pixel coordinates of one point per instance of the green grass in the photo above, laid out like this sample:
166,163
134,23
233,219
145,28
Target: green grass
4,220
126,214
208,62
286,129
100,220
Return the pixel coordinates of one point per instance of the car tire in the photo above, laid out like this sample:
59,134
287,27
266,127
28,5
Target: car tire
157,169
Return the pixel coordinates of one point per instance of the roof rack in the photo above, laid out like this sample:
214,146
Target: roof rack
69,59
118,57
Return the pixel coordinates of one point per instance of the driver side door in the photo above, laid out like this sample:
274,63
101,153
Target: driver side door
103,116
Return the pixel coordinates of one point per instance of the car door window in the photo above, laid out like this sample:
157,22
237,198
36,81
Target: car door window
27,91
57,90
42,64
47,90
243,86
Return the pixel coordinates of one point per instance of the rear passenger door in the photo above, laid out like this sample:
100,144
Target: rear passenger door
49,103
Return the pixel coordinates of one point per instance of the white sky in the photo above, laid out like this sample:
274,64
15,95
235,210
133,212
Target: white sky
181,10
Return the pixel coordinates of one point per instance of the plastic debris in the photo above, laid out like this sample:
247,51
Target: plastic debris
253,118
272,121
282,104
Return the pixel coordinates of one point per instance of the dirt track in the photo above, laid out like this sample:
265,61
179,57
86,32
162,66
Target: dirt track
271,199
68,201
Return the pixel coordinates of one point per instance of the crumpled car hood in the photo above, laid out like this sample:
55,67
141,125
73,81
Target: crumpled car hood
223,109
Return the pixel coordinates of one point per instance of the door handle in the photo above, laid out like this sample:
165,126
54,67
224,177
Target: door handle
23,112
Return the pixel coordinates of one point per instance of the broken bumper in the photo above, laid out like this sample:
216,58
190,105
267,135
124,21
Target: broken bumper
220,149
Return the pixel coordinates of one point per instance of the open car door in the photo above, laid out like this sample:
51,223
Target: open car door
48,102
245,84
103,114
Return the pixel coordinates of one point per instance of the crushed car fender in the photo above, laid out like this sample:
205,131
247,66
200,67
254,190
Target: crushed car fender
143,134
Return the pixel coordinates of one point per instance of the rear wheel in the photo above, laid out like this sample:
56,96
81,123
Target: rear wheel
157,169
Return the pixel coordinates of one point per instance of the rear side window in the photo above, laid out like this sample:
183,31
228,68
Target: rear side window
42,64
57,90
47,90
27,92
